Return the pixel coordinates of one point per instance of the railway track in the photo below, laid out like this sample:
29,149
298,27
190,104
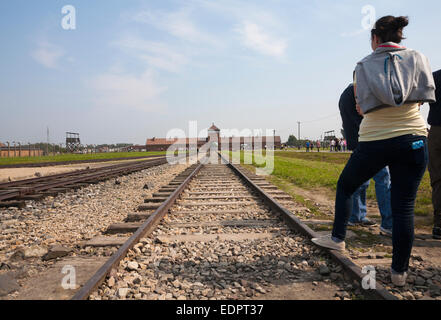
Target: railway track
16,192
217,233
62,163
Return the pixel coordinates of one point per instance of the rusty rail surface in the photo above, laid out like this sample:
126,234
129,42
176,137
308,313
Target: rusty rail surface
18,189
61,163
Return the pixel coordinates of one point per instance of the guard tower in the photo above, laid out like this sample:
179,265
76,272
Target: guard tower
329,135
213,135
73,142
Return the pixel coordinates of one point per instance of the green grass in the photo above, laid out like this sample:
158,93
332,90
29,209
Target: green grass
339,158
287,187
74,157
321,171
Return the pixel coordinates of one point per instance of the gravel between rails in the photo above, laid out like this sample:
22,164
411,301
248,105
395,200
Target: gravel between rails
424,279
72,217
159,269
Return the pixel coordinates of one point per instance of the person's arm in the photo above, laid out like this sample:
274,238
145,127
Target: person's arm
357,106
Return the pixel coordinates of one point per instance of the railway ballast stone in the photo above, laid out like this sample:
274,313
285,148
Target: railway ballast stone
7,284
419,281
149,186
132,265
56,251
122,292
324,270
29,253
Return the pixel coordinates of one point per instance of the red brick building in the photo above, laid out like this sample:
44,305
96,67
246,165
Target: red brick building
19,151
232,143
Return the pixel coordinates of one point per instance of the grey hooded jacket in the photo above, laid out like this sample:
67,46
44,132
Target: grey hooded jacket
392,76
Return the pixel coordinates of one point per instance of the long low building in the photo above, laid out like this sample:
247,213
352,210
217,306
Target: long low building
19,151
223,143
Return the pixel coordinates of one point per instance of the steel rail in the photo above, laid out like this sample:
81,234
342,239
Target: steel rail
66,174
33,186
98,175
61,163
145,229
354,271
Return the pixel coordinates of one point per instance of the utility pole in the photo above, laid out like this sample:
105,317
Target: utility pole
47,145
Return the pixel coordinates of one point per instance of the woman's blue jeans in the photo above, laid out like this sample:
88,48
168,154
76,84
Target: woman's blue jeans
407,161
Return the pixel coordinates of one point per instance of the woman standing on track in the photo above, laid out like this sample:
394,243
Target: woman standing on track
390,84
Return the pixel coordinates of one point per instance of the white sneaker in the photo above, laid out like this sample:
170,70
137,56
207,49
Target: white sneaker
327,242
398,279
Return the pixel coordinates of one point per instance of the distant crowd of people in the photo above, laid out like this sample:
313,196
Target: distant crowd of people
334,145
310,145
390,143
338,145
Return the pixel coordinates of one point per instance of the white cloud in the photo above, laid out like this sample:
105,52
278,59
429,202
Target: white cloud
155,54
257,39
179,24
48,55
352,34
243,11
126,90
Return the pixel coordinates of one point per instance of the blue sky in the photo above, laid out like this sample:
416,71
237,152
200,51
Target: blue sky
134,69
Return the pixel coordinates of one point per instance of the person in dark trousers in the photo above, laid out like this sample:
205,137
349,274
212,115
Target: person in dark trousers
434,142
351,124
390,85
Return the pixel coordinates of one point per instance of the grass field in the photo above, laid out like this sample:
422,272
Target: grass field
75,157
321,171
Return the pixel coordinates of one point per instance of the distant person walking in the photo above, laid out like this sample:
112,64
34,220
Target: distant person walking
434,142
332,145
390,85
307,146
318,145
337,145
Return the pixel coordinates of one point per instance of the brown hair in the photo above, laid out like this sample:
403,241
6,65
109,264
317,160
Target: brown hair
390,28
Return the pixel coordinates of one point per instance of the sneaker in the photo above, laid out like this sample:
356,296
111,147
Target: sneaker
367,222
436,233
364,222
327,242
386,232
398,279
